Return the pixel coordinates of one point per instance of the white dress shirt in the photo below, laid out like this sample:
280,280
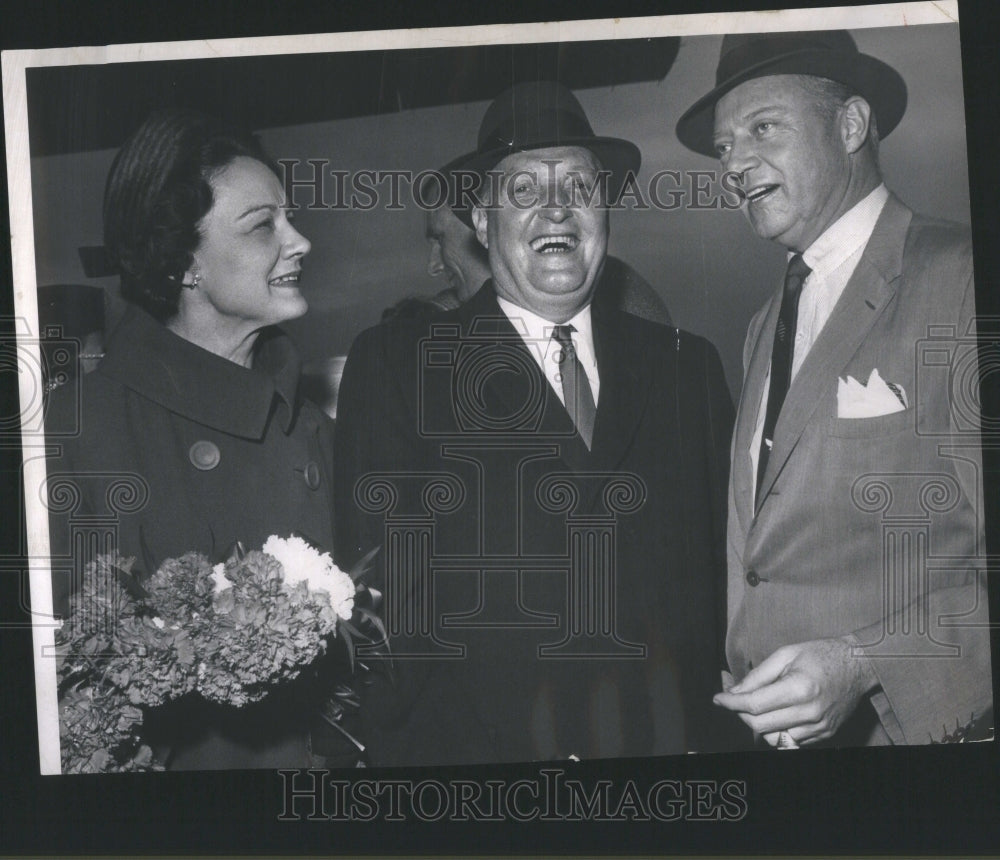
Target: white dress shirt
537,335
833,257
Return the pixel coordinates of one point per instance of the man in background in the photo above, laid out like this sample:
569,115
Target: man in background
70,312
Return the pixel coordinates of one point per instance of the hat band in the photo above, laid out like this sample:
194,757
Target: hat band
754,53
525,132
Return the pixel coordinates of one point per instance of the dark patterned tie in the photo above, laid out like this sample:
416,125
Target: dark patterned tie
577,396
781,358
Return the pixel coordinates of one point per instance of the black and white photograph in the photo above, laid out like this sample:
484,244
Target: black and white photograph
577,432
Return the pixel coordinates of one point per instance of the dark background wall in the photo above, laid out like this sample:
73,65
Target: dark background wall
706,263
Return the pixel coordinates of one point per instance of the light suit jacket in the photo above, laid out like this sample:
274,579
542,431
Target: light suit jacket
873,526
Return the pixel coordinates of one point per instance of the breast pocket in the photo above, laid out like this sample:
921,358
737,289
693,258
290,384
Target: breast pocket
873,428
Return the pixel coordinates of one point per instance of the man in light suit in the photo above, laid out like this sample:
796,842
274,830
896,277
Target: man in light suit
547,475
856,600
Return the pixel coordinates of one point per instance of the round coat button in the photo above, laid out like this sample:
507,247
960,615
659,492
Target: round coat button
311,474
204,455
752,579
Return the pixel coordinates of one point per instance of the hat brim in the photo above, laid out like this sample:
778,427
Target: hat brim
876,82
619,157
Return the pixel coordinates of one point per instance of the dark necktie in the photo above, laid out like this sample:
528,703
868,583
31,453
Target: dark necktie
781,358
577,396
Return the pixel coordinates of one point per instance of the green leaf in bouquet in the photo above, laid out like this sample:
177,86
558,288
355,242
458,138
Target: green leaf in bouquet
345,633
147,556
374,621
234,552
346,696
347,627
361,567
130,583
335,722
70,678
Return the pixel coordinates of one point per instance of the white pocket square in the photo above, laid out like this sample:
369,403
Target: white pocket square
877,397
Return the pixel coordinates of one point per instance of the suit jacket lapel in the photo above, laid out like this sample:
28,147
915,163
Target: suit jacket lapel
753,391
865,297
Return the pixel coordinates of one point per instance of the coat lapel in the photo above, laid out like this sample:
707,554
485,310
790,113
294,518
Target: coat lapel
623,363
865,297
517,379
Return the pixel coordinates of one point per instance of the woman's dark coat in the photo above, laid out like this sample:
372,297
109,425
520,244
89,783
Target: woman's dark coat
167,448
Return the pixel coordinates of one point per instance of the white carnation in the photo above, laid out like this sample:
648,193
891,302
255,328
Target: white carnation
303,563
219,577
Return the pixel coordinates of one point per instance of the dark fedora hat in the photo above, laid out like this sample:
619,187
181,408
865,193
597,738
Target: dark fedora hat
540,115
828,54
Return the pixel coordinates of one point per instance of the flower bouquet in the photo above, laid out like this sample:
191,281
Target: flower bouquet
231,632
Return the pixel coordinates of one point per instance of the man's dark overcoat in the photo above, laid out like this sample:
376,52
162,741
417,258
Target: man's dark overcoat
544,600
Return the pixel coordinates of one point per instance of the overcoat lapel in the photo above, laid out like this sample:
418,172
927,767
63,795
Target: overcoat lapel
521,381
867,294
624,365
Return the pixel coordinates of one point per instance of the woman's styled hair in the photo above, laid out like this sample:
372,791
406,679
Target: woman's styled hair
157,191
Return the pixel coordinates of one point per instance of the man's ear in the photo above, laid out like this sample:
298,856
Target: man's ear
480,220
855,119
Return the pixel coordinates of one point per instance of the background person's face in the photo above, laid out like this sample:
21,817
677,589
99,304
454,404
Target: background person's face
250,255
455,253
794,162
546,249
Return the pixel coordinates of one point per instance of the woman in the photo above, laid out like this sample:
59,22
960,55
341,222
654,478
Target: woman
193,414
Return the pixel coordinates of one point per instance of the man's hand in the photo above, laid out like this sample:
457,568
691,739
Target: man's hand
806,690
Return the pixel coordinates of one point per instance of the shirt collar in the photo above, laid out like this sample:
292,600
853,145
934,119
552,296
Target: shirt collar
850,232
151,360
534,328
